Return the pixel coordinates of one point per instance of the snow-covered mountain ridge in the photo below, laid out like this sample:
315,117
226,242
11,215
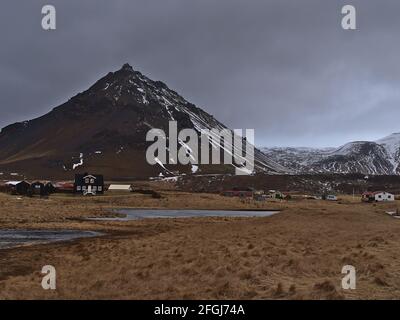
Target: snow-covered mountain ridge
381,157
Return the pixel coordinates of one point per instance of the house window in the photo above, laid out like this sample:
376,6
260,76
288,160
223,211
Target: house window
100,188
78,188
91,180
87,180
84,188
94,188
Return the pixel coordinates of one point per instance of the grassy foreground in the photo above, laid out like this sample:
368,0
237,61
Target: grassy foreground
296,254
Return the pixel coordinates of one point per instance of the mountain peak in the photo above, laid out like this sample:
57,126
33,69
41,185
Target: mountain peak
127,67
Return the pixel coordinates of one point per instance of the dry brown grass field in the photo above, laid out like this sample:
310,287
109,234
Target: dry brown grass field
296,254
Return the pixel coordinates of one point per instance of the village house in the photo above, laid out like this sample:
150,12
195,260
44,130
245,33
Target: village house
36,188
89,184
41,188
17,187
259,195
377,196
49,187
274,194
329,197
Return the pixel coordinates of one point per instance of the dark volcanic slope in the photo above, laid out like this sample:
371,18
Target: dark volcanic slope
103,130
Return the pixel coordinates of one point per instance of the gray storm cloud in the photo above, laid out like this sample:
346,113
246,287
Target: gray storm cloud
285,68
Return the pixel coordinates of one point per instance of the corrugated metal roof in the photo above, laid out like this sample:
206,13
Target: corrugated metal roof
120,187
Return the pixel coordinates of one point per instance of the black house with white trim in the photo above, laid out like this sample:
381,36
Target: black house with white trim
89,184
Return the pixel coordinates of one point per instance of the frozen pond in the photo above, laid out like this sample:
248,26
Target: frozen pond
16,238
134,214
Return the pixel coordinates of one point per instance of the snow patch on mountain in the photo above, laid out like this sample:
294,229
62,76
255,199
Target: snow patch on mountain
80,163
391,144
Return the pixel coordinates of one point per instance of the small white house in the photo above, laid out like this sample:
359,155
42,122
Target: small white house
120,188
274,194
383,196
377,196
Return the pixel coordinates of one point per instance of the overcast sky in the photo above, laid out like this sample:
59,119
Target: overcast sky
283,67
